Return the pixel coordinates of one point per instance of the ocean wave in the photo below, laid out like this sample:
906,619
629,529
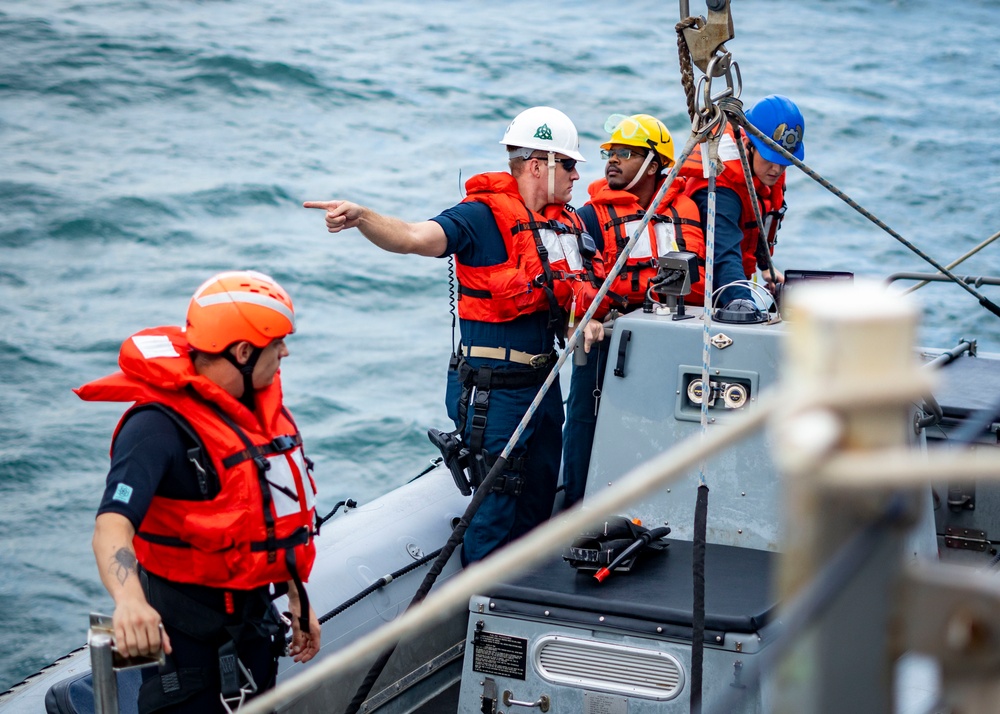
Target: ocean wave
229,199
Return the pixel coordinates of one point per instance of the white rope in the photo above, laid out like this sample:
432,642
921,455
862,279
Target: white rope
710,155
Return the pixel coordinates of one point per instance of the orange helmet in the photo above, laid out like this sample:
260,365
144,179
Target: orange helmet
238,305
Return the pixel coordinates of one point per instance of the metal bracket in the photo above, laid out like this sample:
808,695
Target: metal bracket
961,498
966,539
489,698
721,341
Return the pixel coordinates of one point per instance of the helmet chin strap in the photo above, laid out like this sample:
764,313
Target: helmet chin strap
552,178
247,398
641,171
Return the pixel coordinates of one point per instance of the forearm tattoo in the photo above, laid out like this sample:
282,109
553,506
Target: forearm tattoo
123,564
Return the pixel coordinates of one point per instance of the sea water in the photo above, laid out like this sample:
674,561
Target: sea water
146,144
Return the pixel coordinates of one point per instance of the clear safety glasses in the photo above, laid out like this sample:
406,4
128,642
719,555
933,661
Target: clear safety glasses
621,154
626,127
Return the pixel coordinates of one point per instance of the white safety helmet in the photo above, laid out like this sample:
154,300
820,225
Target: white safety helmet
544,129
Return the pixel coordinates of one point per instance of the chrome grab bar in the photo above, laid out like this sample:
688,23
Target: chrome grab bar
105,660
509,701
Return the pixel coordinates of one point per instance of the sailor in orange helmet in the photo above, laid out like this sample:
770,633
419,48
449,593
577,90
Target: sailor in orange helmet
209,509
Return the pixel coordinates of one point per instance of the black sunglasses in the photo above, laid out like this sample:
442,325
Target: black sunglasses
568,164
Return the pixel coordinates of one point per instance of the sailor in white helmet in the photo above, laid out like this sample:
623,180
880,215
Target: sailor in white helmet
521,257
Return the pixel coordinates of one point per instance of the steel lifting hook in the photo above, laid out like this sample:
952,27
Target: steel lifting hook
710,36
721,65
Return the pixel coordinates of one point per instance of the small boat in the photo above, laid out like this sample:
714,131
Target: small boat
556,634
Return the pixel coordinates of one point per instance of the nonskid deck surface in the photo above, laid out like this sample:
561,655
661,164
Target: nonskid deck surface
657,591
968,385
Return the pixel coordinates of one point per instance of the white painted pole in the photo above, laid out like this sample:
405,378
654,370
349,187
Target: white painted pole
859,335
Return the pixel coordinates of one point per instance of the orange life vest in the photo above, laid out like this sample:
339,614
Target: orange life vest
258,526
544,269
676,225
771,199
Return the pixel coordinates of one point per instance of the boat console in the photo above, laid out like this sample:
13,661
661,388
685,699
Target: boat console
619,645
625,644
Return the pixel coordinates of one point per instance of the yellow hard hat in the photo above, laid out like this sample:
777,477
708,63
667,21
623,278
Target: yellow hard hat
640,130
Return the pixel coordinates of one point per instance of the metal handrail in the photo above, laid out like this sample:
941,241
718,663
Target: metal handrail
977,280
105,660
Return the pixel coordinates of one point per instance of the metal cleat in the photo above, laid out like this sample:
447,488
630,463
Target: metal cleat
953,614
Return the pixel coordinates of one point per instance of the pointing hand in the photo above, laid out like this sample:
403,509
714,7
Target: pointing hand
339,214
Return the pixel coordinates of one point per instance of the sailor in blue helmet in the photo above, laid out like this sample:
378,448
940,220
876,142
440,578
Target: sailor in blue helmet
740,248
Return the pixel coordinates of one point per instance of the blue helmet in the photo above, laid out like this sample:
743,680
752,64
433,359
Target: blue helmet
779,118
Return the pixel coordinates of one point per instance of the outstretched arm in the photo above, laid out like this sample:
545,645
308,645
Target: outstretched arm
388,233
137,625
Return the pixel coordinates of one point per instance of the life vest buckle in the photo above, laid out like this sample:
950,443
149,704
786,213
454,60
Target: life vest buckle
235,703
283,443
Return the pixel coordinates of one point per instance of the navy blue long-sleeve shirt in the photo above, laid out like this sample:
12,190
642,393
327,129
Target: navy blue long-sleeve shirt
728,240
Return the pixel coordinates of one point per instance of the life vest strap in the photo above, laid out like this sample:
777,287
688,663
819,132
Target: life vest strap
617,220
208,478
278,445
473,293
262,465
634,270
299,537
300,587
531,226
616,224
172,541
557,318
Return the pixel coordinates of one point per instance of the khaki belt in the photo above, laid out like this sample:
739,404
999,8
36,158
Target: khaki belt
508,355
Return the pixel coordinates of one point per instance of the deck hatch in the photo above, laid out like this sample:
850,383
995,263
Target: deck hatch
621,669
